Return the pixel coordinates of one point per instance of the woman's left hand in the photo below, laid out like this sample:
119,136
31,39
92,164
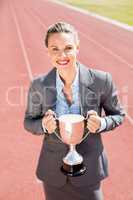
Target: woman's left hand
93,121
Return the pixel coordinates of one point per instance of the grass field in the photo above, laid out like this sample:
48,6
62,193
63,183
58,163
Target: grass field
121,10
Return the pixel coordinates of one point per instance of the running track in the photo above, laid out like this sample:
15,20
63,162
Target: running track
22,56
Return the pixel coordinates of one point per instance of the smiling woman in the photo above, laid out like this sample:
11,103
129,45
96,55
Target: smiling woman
71,88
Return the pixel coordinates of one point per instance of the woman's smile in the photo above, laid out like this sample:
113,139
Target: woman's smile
63,62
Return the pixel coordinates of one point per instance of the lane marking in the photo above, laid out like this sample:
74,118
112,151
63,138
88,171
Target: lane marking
111,21
129,118
34,14
28,65
107,50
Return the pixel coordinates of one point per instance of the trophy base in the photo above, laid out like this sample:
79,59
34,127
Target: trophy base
73,170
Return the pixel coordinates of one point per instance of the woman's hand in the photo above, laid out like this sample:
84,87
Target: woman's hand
49,121
93,121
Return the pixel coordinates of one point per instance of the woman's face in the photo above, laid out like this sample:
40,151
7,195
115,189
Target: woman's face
63,49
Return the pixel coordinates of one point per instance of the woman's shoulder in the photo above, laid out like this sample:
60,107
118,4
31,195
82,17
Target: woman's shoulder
95,73
44,78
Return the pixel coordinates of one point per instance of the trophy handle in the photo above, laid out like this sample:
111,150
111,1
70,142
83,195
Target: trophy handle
85,122
57,129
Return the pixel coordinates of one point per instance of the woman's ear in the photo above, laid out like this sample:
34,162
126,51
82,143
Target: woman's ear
77,47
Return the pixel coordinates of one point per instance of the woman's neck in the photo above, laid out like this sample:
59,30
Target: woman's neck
68,76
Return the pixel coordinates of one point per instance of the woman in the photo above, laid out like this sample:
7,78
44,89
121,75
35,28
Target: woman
71,87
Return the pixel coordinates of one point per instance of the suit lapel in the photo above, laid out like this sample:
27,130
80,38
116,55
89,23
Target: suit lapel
50,89
88,99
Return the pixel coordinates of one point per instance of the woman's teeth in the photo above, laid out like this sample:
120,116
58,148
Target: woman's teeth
63,62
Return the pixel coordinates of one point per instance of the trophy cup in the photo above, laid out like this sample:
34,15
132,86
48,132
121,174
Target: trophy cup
71,132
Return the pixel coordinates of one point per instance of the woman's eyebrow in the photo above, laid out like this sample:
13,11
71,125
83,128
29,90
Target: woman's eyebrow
53,46
69,45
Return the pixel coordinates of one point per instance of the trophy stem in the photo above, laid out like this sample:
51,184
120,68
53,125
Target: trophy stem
72,147
73,163
73,157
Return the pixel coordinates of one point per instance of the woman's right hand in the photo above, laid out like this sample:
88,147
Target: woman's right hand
49,121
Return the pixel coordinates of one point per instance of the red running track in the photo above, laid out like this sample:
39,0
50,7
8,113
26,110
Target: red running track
22,56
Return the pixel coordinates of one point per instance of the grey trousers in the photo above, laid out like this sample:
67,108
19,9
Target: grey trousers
70,192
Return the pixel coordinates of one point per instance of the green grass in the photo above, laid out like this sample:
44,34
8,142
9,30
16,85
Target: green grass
121,10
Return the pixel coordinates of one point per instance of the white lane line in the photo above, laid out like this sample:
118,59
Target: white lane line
28,66
111,21
118,57
109,51
129,118
34,14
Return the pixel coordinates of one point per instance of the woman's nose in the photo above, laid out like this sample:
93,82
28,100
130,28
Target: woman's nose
62,53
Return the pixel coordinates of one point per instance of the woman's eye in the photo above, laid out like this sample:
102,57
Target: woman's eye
54,49
69,48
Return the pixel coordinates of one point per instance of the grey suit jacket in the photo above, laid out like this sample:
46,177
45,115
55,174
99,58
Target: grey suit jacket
97,92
